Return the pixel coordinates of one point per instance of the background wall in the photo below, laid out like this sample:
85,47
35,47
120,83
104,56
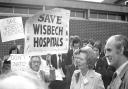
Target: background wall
97,30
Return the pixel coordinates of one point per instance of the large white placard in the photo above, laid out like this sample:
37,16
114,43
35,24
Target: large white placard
11,29
47,32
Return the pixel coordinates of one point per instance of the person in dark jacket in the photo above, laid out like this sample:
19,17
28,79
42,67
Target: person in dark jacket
76,44
7,63
58,62
101,65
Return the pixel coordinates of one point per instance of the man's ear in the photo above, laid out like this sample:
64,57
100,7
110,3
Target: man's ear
122,50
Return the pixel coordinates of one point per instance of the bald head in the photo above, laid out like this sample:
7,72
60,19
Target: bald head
120,42
116,50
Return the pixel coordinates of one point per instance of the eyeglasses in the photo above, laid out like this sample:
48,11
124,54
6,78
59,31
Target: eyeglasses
36,62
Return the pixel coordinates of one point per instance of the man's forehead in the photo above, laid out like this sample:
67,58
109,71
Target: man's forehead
110,42
111,39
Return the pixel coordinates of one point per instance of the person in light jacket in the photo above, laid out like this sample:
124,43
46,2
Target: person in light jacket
86,77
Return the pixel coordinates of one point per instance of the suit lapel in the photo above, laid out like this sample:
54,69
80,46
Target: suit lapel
116,83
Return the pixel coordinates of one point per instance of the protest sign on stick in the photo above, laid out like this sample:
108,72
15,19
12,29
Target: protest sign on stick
47,32
19,62
11,29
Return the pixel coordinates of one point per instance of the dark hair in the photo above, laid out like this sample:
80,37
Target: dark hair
122,42
91,41
85,41
98,45
13,48
7,62
76,40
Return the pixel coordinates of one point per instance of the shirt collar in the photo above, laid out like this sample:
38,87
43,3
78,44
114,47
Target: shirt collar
118,71
90,73
34,72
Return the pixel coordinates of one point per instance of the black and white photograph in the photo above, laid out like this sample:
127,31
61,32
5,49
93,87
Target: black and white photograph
63,44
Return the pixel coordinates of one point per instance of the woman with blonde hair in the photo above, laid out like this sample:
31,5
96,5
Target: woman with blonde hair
86,77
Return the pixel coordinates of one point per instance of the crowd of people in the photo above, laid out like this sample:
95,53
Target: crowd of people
87,65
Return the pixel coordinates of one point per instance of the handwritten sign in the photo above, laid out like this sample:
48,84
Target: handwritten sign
47,32
11,29
19,62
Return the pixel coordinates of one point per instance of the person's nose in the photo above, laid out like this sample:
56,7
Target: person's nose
36,63
78,61
106,54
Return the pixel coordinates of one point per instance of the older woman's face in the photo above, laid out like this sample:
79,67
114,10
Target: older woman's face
81,60
35,63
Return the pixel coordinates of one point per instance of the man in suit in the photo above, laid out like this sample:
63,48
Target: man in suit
69,61
116,50
58,62
76,43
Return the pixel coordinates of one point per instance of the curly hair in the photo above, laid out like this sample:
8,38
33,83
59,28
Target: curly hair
90,56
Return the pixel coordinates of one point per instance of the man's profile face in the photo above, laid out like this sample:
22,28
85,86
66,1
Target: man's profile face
35,63
111,52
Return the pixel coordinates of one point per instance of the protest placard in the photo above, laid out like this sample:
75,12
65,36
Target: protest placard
47,32
19,62
11,29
